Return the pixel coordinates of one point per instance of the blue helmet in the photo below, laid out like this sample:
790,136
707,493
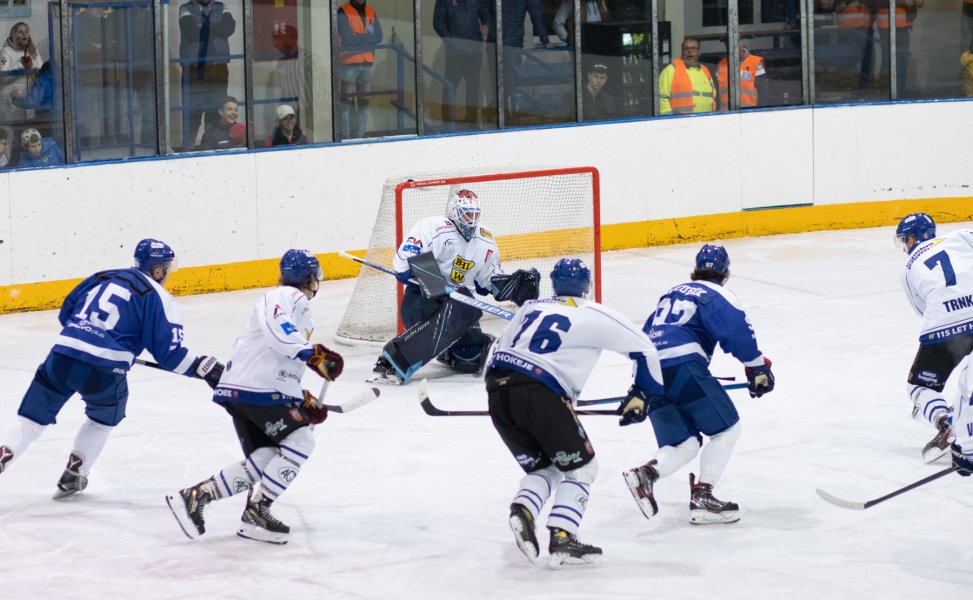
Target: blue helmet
713,258
917,225
298,266
151,253
571,277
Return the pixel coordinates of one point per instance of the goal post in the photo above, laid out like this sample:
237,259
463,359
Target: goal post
536,216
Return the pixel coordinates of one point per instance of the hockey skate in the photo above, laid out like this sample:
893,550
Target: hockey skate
704,509
640,481
384,373
567,551
939,445
71,481
6,455
187,507
258,524
522,524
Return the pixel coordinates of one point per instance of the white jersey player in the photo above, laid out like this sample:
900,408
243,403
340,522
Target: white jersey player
261,390
538,368
962,450
938,281
466,256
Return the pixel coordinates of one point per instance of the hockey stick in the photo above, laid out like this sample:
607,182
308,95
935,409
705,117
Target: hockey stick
732,386
863,505
433,411
358,401
484,306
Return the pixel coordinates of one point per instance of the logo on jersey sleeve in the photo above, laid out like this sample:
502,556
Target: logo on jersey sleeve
485,233
412,245
288,328
489,253
461,267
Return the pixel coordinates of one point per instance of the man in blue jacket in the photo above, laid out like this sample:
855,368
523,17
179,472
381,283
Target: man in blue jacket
39,151
462,26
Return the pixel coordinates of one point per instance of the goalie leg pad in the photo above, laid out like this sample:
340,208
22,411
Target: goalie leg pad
431,337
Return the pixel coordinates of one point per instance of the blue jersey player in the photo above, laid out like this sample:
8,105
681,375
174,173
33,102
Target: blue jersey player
107,320
688,323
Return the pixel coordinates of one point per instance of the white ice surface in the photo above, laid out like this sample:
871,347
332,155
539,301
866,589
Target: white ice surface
397,504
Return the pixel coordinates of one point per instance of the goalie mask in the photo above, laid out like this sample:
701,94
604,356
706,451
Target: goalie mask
464,212
150,254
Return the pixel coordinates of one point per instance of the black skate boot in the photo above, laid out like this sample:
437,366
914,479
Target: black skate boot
640,481
384,373
71,481
939,445
187,506
258,524
705,509
6,455
522,524
567,551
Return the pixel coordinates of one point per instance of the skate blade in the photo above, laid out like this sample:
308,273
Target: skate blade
262,535
62,494
562,561
528,547
182,519
704,517
383,380
648,506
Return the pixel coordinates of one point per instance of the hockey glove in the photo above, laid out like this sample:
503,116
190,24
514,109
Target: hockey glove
324,362
760,380
315,410
521,286
633,408
208,369
404,276
963,461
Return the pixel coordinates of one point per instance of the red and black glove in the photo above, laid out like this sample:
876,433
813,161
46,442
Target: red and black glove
324,362
316,411
760,379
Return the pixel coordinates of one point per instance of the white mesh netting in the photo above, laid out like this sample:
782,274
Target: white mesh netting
536,217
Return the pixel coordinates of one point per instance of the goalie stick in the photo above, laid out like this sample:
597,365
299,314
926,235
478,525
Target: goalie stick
432,411
359,400
593,402
870,503
484,306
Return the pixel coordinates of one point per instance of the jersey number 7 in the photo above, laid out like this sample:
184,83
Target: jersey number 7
942,259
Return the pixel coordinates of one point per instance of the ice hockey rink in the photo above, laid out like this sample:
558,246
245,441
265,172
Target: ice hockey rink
397,504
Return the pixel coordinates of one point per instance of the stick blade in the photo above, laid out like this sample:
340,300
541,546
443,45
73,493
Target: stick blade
839,501
357,402
425,402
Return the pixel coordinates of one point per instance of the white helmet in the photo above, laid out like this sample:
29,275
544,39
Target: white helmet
29,136
464,212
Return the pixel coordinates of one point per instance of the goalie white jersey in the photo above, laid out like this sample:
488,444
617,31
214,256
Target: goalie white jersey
461,262
938,281
558,341
264,363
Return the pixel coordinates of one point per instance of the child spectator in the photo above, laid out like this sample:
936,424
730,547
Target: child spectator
39,151
227,132
287,132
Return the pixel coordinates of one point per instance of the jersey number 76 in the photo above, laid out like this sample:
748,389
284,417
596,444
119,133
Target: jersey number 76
545,339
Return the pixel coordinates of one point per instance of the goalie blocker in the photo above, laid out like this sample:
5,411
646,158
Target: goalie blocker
441,327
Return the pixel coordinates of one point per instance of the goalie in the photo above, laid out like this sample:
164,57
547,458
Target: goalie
454,248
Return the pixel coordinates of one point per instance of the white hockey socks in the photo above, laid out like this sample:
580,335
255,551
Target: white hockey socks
670,459
716,454
88,444
243,475
571,498
536,488
282,469
927,404
20,434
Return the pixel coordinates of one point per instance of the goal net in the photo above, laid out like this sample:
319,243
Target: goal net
537,217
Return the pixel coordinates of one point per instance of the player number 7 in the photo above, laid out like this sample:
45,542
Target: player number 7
942,259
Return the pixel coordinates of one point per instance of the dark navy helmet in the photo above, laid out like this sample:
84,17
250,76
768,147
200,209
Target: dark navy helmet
917,225
298,266
713,258
571,277
151,253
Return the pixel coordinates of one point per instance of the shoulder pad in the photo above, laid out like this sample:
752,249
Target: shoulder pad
485,233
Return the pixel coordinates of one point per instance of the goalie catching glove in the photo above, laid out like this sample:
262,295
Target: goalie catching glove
208,369
324,362
634,408
760,380
314,409
521,286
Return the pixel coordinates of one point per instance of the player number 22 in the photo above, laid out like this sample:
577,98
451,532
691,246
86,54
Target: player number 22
546,338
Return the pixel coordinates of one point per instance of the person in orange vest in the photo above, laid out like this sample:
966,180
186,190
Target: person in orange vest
752,80
685,85
359,31
905,13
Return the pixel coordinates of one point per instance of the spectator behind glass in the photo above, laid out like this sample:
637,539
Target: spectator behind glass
966,61
227,132
40,98
458,24
287,132
39,151
19,59
4,154
596,103
359,31
205,27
